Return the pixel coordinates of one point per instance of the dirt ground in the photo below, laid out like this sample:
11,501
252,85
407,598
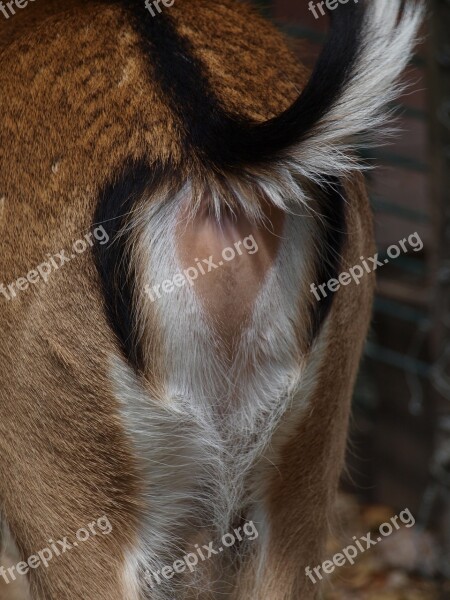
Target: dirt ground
402,566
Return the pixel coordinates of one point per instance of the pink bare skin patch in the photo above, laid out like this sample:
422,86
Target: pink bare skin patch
242,253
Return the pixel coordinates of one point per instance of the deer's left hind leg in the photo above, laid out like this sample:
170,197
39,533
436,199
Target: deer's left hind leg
301,487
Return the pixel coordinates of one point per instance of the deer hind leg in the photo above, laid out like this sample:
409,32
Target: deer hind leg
60,567
298,504
301,474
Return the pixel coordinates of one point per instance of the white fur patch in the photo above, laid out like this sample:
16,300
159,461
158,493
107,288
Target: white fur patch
201,442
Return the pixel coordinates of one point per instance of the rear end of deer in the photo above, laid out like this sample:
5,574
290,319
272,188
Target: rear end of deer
174,399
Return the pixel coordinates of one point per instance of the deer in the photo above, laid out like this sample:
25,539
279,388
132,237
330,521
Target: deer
148,145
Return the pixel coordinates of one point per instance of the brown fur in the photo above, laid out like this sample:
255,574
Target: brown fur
76,102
